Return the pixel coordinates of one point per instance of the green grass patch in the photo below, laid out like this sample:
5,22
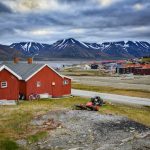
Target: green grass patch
73,72
36,137
138,114
146,59
7,144
104,89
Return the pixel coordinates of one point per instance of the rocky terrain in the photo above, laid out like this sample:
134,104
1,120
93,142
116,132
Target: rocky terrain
86,130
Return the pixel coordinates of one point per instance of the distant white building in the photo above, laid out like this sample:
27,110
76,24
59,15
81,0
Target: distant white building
111,66
86,67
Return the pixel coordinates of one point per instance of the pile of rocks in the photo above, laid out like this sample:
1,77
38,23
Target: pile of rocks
80,130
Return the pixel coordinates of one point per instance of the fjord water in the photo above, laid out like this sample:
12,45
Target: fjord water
55,64
59,63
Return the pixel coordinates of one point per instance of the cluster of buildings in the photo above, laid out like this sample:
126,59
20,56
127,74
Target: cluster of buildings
135,66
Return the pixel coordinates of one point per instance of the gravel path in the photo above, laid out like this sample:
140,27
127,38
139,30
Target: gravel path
113,97
87,130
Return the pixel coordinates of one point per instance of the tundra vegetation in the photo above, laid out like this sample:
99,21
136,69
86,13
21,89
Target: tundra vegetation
15,120
76,72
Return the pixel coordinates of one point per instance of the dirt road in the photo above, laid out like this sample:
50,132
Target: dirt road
113,97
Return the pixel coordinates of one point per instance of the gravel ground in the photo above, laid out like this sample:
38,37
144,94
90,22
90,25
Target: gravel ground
87,130
139,82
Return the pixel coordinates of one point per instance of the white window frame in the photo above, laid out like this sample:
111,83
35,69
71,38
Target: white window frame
4,84
65,82
38,84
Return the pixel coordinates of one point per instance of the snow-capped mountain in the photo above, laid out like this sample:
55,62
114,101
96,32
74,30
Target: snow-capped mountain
71,48
29,48
74,49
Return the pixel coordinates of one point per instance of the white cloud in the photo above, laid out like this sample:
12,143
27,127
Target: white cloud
138,7
46,20
107,3
140,29
77,30
38,32
35,5
42,32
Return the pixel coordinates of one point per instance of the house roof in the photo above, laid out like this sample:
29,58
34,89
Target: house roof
2,66
137,65
25,71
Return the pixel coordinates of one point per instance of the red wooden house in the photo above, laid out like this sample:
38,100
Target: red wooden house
27,79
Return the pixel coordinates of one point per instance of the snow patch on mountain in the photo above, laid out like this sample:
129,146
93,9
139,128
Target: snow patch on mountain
83,44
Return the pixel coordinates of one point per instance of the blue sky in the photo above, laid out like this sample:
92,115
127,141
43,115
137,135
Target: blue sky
47,21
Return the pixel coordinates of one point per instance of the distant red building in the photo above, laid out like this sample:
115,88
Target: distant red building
27,79
136,69
113,61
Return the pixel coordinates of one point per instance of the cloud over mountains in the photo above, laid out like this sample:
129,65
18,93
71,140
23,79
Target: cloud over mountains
87,20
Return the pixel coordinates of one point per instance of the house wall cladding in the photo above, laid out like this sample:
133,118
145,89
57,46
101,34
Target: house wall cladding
11,92
67,88
47,77
22,87
142,71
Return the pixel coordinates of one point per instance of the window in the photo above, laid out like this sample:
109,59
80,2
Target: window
38,84
4,84
53,83
66,82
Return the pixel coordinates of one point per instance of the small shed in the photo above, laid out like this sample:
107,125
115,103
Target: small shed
94,66
86,67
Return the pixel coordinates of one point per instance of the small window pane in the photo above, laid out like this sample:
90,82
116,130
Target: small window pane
66,82
38,84
4,84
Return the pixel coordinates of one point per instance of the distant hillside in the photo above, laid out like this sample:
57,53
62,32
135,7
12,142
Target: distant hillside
73,49
7,53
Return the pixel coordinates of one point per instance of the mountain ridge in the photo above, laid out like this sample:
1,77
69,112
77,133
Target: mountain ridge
72,48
